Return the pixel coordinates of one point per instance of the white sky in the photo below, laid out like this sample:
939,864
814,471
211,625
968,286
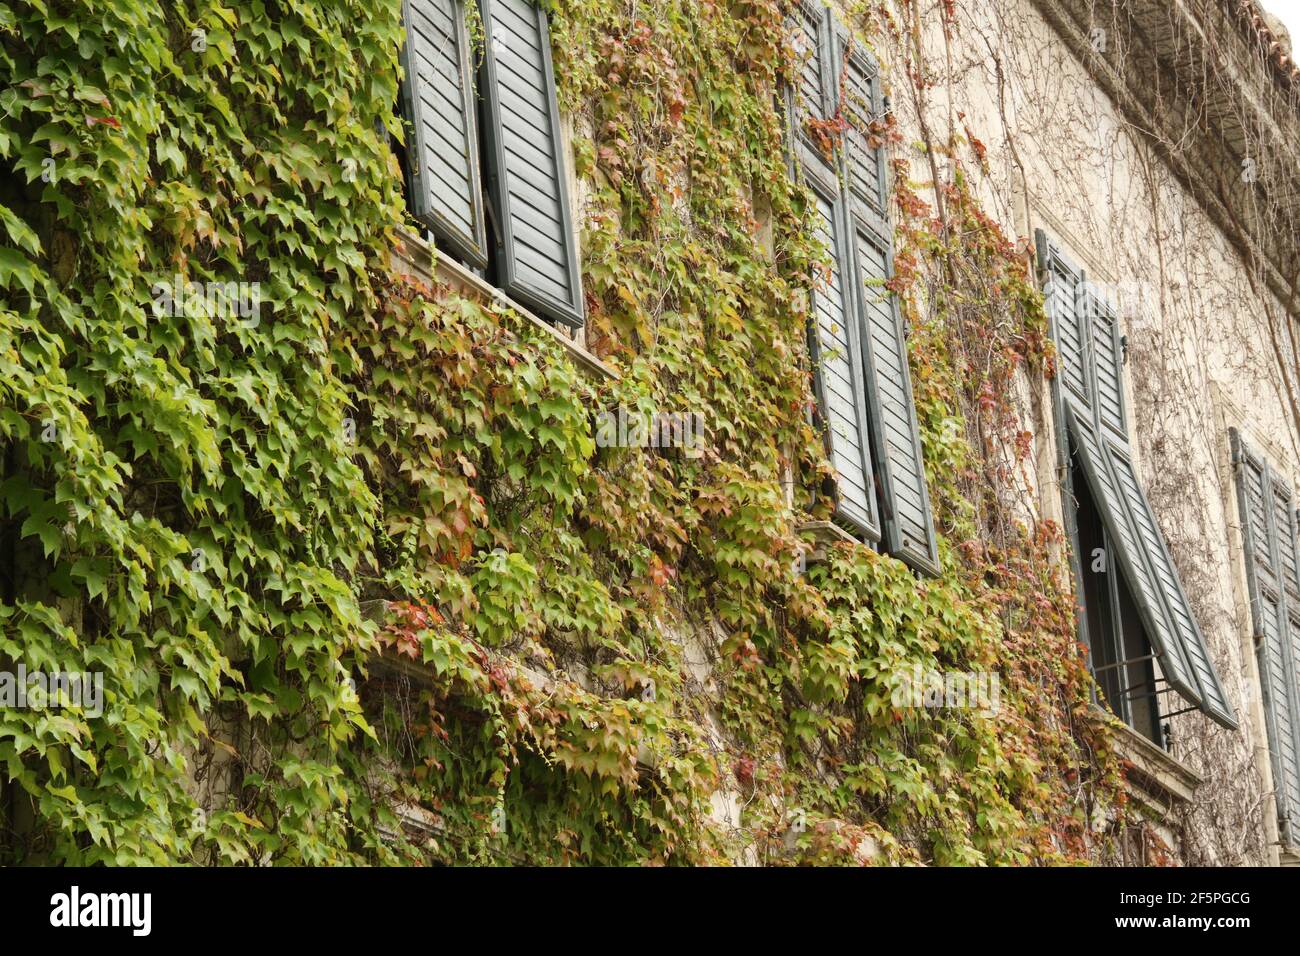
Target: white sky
1288,11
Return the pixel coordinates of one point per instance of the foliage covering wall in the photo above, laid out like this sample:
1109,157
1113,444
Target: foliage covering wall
230,519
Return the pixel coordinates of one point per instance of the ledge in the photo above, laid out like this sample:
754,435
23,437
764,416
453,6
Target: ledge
1209,92
1154,777
413,256
825,534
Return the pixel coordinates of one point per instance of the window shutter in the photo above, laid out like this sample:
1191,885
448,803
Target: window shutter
442,134
528,185
1062,283
1132,557
849,190
835,336
908,518
862,104
812,97
1089,396
838,371
1269,531
1065,290
909,522
1252,502
1109,390
1183,626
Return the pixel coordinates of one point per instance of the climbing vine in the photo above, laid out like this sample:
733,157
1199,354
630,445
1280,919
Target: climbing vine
362,585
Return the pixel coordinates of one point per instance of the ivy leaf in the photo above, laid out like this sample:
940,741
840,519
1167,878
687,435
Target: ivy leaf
19,231
14,265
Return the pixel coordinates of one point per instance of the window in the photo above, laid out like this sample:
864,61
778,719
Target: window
1134,612
856,337
484,162
1268,523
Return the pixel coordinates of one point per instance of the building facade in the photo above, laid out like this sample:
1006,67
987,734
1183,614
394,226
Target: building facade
1124,145
760,432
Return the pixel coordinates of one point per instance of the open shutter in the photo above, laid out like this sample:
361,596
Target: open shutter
838,374
835,340
1190,642
812,97
1063,284
1108,354
896,434
1269,531
1089,395
1132,557
528,184
1065,289
862,105
908,519
1108,392
441,129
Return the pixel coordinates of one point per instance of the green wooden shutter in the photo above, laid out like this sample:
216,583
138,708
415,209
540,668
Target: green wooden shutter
838,372
1062,283
1269,532
862,104
908,519
537,254
1190,641
1132,559
895,430
835,340
813,96
1088,395
441,129
1065,289
1108,355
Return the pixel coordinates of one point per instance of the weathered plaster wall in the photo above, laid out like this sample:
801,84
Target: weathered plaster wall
1061,157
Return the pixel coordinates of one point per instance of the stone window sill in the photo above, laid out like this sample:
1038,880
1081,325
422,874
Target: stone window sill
823,535
415,257
1154,778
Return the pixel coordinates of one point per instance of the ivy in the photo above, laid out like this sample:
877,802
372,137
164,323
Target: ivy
363,555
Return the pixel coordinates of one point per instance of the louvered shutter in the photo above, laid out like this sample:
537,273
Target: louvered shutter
1108,355
1269,533
836,348
862,105
835,335
527,181
1089,395
1132,558
1063,286
441,129
1065,289
812,97
908,519
1284,530
1190,641
896,435
1108,392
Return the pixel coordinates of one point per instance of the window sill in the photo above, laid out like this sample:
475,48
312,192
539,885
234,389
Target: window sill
386,662
415,257
1153,777
824,534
